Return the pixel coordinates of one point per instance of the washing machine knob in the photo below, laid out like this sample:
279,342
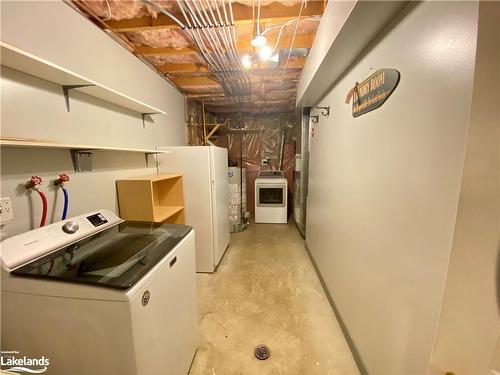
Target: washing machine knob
70,227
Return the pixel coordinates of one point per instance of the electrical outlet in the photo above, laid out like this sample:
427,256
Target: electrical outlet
6,210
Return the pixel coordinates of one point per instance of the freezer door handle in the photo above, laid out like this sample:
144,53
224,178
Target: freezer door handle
172,262
213,184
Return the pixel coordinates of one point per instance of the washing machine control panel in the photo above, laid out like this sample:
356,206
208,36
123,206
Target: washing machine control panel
25,247
97,219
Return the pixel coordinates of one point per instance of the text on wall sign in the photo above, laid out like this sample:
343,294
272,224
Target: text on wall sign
373,91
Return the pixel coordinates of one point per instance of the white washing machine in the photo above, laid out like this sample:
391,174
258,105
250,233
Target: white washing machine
97,295
271,189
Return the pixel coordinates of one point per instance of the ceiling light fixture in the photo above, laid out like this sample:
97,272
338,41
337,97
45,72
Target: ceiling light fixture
265,53
246,60
258,41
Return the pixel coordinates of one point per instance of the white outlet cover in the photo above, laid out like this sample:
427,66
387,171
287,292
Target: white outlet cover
6,210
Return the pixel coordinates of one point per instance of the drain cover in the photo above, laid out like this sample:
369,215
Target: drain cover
262,352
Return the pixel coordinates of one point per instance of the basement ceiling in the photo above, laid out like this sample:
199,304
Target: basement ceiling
151,30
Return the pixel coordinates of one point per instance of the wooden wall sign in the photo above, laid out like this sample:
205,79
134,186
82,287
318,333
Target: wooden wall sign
373,91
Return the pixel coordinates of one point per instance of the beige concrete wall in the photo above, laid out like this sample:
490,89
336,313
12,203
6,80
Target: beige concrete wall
384,187
469,325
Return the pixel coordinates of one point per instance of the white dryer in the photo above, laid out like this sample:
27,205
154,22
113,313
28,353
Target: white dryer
271,190
97,295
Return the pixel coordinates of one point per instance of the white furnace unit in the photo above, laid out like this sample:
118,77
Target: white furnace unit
271,189
97,295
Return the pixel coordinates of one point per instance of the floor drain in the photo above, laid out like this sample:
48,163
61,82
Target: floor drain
262,352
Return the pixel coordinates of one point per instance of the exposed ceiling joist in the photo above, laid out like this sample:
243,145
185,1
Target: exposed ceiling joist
195,81
182,68
243,44
190,81
164,51
173,69
273,13
272,87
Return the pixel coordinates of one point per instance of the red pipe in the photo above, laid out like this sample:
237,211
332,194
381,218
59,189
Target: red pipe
44,211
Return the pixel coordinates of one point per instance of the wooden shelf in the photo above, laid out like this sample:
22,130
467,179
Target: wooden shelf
155,198
25,62
162,213
156,177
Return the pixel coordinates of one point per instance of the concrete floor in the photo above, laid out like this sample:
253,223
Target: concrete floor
266,291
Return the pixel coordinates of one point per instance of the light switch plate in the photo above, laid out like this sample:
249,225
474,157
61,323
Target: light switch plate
6,211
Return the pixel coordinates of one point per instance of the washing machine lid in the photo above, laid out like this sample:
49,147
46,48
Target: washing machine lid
116,257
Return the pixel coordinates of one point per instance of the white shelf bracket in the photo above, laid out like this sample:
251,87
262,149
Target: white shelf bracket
66,89
83,161
146,154
143,115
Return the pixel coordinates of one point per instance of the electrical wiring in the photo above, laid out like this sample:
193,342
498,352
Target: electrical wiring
213,33
283,25
175,19
258,18
109,12
294,34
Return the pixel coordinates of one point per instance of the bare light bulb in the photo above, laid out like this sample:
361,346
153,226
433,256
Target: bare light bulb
246,61
265,53
258,41
275,58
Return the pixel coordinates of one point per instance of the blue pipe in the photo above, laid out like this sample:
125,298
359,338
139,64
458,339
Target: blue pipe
65,209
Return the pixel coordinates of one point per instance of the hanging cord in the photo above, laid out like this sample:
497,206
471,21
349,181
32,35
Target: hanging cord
294,34
258,18
109,12
282,26
253,17
34,184
160,9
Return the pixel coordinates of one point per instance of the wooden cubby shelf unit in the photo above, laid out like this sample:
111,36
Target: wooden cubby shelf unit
156,198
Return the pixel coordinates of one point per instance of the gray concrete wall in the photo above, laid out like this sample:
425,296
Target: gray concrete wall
469,325
384,187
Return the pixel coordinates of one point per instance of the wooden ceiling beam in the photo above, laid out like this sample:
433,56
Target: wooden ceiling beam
243,44
164,51
183,68
273,13
198,70
211,82
196,81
